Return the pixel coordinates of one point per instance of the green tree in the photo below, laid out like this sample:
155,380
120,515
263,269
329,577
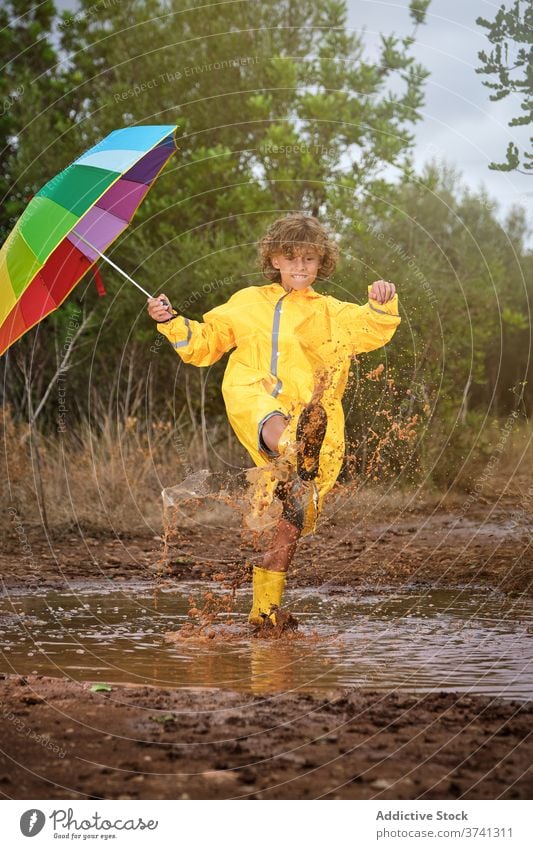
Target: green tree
36,111
462,353
510,66
274,114
27,82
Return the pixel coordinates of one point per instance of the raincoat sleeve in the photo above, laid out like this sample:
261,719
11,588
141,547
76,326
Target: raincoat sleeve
202,343
371,325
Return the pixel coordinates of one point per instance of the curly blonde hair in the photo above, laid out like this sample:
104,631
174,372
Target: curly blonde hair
293,233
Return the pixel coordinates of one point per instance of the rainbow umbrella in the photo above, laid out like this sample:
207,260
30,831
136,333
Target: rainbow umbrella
72,220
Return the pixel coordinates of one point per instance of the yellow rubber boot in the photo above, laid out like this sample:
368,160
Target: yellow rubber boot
268,589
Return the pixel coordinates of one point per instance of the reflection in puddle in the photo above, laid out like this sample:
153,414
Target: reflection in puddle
461,640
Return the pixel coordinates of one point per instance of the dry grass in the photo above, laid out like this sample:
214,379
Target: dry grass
106,477
111,476
501,463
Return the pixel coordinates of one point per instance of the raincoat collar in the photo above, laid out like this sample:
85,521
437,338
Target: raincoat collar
307,293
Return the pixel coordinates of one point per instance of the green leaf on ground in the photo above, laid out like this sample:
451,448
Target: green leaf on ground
164,718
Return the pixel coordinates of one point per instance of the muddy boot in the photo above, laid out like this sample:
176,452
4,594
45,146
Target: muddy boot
277,623
268,589
310,433
283,621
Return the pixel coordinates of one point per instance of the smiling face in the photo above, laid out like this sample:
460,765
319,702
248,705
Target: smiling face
298,270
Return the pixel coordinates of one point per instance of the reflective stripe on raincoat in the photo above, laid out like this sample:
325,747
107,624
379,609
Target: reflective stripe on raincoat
286,343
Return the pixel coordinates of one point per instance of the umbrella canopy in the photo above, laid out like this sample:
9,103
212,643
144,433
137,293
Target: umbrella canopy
72,220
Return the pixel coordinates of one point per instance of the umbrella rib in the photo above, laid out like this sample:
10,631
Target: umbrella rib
110,261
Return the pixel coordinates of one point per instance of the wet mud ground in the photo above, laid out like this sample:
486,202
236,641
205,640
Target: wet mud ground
441,548
139,743
60,740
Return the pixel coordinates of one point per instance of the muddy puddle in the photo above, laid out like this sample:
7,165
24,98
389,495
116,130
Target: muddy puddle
467,641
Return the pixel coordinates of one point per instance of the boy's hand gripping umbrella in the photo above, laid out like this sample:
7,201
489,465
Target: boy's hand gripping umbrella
72,220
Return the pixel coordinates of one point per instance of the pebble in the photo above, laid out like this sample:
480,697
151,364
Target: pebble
383,783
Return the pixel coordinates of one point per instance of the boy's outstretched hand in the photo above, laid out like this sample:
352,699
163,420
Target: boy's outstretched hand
382,291
160,309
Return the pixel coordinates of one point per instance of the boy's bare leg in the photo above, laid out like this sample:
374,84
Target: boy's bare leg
269,579
286,535
279,557
272,430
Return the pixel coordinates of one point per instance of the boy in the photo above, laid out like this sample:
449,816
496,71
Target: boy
284,381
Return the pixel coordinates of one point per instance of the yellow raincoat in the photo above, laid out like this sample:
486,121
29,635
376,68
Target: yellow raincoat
284,342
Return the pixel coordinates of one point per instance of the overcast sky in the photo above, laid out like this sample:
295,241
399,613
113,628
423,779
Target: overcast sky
460,124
